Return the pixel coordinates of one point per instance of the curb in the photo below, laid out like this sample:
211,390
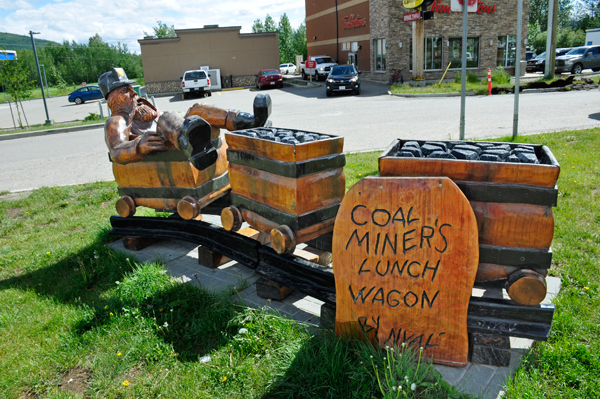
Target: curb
306,86
431,94
13,136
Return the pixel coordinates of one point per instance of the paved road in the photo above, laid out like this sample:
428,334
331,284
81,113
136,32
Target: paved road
369,121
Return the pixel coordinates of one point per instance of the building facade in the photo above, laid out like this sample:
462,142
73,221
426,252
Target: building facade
373,34
239,56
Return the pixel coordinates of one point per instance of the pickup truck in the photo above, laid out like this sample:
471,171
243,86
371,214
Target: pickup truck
195,82
324,64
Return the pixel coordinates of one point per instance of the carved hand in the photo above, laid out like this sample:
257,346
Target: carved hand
151,142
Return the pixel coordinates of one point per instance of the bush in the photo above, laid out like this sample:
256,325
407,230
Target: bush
92,117
500,76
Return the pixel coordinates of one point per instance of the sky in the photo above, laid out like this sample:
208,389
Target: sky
126,21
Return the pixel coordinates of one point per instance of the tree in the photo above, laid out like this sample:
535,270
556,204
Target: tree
14,76
299,42
286,50
270,24
538,13
162,30
257,26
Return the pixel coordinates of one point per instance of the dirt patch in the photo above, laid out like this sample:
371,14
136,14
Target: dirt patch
77,230
76,380
14,196
13,212
105,204
28,395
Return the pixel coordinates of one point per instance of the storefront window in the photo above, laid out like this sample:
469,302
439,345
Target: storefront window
507,50
433,53
455,52
379,54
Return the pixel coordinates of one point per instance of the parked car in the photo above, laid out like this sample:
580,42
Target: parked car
195,82
324,64
268,78
84,94
578,59
342,78
530,55
538,64
287,68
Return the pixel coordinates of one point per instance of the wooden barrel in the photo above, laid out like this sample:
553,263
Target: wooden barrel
512,203
162,179
291,191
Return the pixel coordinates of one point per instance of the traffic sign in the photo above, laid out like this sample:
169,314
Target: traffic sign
413,16
311,64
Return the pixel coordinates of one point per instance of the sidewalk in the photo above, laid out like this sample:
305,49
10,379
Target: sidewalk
181,261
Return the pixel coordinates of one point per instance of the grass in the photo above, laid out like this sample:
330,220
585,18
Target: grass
71,308
41,126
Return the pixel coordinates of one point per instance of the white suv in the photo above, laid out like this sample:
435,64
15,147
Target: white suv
195,82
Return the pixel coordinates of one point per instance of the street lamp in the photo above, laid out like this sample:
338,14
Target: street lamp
46,81
37,63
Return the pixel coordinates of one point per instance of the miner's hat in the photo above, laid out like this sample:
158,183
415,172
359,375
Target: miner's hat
109,81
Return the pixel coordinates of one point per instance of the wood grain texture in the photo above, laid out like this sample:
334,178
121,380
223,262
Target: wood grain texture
514,225
285,152
481,171
294,196
168,174
125,206
405,256
526,287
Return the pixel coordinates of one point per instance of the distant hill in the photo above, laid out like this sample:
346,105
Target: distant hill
10,41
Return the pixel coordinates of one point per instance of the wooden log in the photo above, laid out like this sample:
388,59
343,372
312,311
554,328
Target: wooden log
210,258
526,287
295,196
269,289
231,218
283,240
137,243
493,350
514,225
487,272
188,208
314,255
125,206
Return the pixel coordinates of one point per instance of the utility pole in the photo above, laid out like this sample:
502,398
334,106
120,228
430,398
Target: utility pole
418,32
37,63
551,39
518,68
463,75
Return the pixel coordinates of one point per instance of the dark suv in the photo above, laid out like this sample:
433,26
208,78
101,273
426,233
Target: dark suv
538,64
342,78
578,59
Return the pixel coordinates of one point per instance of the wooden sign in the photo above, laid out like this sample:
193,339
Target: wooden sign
405,254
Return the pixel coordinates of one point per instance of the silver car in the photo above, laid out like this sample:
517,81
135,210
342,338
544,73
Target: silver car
578,59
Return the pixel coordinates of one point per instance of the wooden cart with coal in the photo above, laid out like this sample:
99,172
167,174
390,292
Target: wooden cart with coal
193,171
286,183
511,188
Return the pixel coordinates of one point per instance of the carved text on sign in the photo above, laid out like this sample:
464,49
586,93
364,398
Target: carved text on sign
405,258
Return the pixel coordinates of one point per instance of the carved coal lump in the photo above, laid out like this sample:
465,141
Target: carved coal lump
492,152
284,136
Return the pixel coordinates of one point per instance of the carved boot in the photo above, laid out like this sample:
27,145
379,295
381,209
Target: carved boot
190,135
262,110
194,140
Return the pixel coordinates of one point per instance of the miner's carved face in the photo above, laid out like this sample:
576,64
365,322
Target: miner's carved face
122,100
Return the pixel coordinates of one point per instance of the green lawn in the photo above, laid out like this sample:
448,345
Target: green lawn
73,309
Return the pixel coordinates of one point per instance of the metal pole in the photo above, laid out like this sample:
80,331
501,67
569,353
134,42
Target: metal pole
37,63
463,79
550,50
518,68
46,80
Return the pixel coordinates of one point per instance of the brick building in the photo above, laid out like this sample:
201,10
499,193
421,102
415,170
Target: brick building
372,34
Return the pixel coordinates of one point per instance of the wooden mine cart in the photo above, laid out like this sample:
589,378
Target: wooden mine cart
290,191
513,206
167,181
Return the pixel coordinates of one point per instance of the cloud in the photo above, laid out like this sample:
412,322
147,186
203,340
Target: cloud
126,21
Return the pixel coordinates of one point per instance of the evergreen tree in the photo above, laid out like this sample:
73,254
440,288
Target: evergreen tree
286,50
270,24
162,30
257,26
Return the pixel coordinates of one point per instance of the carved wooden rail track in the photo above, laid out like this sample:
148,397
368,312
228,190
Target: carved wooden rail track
485,315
